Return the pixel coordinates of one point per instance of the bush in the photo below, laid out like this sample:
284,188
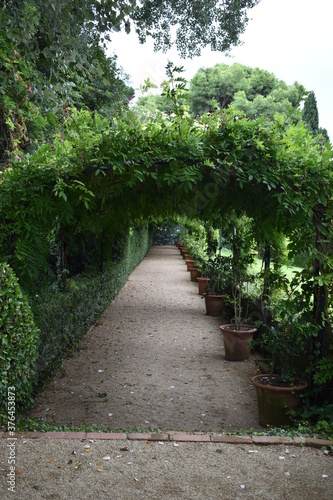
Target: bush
18,342
64,317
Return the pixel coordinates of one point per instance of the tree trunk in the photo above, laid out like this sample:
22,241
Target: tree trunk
266,291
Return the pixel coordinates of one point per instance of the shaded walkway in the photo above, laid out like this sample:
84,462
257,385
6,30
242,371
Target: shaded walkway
153,360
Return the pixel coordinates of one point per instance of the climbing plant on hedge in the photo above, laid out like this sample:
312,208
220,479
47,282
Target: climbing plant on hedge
18,342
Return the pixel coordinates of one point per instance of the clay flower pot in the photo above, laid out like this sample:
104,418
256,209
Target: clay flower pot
236,341
183,251
195,273
274,400
214,304
202,284
189,263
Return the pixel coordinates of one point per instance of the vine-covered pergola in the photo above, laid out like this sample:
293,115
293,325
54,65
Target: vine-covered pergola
99,177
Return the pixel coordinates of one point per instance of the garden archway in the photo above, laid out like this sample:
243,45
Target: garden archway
100,177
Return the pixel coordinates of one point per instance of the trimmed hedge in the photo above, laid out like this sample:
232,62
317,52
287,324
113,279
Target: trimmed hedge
19,340
65,317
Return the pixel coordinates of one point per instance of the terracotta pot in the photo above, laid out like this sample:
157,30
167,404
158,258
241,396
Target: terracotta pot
183,251
195,273
202,284
236,341
214,304
189,263
275,401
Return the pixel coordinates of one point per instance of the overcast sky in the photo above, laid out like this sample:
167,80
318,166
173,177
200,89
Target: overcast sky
290,38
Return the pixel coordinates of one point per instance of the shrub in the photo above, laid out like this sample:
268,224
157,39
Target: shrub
64,317
19,341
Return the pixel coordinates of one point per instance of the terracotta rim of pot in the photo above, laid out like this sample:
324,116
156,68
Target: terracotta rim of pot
231,327
256,381
214,294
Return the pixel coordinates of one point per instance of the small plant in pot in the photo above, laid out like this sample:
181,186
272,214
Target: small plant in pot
288,342
217,271
237,335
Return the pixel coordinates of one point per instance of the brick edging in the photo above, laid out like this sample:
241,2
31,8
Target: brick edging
175,436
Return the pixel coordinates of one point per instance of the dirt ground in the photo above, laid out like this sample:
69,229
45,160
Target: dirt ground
154,360
118,470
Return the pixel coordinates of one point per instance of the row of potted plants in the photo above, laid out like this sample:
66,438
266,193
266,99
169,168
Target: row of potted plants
286,338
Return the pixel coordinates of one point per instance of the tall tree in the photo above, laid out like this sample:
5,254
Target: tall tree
310,116
310,113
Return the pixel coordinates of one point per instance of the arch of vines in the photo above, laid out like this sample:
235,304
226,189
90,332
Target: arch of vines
99,177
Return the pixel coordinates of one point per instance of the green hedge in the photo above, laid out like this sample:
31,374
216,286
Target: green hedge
65,317
19,341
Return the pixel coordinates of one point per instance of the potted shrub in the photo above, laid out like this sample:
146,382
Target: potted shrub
203,283
207,267
237,335
288,341
217,272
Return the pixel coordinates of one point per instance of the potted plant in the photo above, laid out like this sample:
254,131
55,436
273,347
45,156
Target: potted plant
217,272
203,283
237,335
287,340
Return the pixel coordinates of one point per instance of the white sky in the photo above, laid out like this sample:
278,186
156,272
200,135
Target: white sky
290,38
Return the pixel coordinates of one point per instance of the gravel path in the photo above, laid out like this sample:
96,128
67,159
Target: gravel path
154,360
117,470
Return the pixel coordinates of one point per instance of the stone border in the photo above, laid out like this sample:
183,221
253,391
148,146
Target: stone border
175,436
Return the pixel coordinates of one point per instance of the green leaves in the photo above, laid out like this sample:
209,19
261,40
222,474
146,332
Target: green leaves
19,342
96,170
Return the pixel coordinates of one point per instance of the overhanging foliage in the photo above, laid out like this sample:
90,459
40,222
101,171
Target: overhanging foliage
100,174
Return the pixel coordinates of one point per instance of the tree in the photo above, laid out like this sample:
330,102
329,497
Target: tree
256,92
310,113
148,105
51,59
51,29
199,23
310,116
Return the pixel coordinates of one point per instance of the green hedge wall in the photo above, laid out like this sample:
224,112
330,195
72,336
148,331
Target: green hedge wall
19,339
65,317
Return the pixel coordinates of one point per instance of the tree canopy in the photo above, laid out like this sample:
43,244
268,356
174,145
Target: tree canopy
198,23
49,62
252,90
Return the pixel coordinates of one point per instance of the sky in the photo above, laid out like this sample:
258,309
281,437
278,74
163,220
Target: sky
290,38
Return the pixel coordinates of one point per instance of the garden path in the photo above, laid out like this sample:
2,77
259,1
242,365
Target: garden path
154,360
